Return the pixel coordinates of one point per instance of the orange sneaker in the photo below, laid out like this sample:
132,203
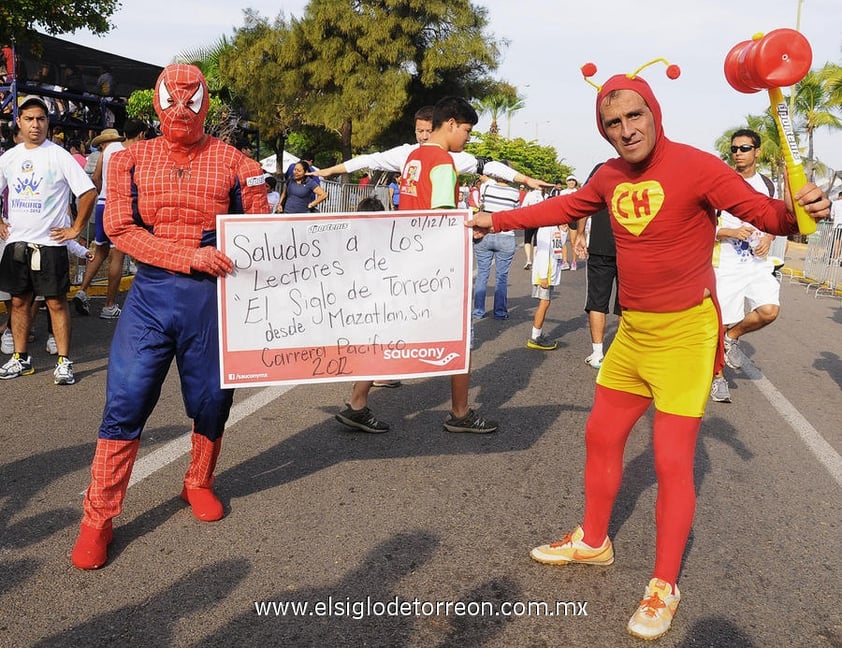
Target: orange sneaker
571,548
657,609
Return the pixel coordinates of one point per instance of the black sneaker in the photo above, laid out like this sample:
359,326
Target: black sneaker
361,419
471,422
542,342
391,384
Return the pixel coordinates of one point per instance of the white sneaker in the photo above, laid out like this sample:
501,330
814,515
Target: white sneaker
63,373
733,354
719,391
572,549
16,366
594,360
110,312
653,617
8,342
51,347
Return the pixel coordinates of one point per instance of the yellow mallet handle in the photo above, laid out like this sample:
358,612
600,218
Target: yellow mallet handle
795,170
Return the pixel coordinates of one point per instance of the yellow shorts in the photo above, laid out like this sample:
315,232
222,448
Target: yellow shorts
668,357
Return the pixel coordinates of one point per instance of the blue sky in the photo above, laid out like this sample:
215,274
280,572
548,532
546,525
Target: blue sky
548,41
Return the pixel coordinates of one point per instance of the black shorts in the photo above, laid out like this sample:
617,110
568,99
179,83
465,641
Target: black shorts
602,279
18,278
529,235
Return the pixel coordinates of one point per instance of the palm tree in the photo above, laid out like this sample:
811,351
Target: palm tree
831,76
493,105
500,98
207,60
497,104
223,118
814,108
515,103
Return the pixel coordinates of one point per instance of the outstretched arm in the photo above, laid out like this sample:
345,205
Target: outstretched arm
391,160
336,169
532,183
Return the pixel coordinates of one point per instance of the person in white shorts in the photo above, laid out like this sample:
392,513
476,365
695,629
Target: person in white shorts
749,293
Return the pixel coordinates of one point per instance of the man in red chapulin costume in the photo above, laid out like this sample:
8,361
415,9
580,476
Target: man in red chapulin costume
163,198
662,197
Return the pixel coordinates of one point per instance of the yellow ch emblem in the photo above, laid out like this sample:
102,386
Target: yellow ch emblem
635,205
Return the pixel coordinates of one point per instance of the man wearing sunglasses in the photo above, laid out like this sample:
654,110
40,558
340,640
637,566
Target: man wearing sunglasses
749,294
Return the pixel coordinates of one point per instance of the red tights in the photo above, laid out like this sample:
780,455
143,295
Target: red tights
613,415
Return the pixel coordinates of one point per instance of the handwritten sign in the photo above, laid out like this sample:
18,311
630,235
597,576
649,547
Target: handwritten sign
350,296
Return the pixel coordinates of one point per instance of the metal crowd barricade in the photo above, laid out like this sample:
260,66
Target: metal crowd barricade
833,280
822,260
346,197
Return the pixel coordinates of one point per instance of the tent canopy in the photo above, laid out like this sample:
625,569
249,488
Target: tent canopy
268,163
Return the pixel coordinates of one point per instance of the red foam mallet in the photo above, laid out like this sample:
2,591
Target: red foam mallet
769,62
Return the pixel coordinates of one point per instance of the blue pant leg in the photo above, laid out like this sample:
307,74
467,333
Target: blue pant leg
197,356
141,353
484,252
506,246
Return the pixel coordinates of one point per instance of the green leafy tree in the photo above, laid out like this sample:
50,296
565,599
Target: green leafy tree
354,68
530,158
140,106
261,71
20,20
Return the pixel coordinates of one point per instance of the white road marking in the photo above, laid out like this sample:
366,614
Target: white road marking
177,447
814,441
174,449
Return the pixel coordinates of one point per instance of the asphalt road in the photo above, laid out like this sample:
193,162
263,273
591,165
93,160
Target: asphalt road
418,517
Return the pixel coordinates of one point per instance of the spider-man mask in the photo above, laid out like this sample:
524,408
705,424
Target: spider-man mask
181,101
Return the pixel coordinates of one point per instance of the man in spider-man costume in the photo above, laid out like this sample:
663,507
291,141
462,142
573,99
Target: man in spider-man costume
662,197
163,198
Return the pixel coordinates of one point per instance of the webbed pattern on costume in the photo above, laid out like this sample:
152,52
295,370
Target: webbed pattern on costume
635,205
149,190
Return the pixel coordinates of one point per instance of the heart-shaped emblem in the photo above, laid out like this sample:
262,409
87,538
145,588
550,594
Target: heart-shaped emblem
635,205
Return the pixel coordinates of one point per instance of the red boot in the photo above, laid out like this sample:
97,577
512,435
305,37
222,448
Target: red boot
91,549
198,481
110,473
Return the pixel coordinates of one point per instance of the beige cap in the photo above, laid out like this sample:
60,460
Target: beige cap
26,100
